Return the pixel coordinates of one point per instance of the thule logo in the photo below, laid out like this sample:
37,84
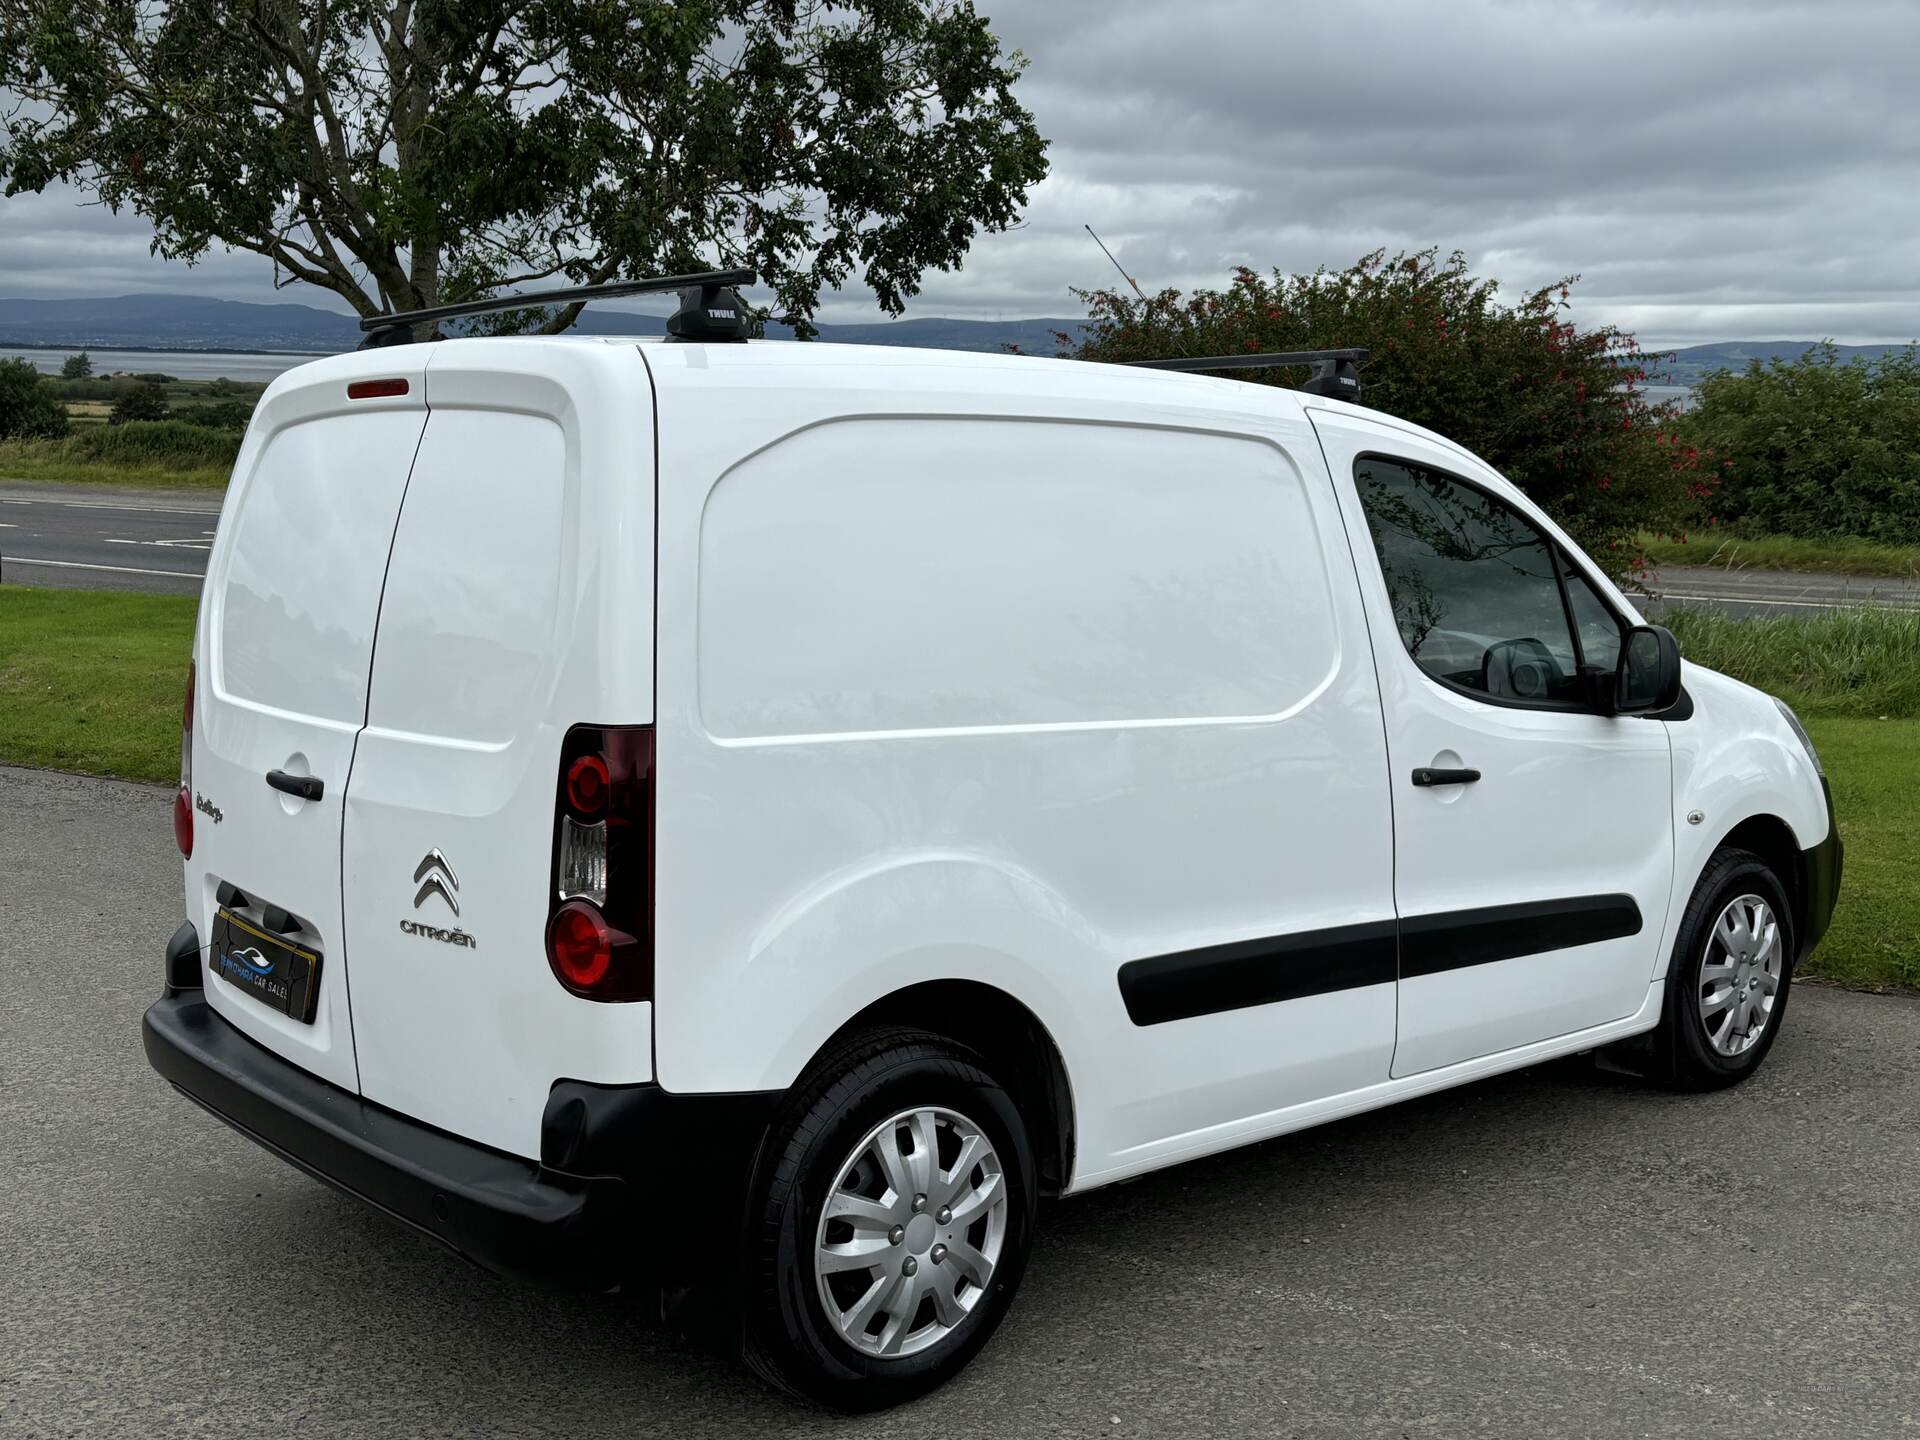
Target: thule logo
435,876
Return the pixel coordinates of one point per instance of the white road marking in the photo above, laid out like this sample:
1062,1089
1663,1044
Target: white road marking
106,505
1863,603
116,569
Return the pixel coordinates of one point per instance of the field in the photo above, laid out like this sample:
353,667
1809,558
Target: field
93,682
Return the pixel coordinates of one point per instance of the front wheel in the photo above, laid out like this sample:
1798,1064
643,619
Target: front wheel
896,1217
1730,974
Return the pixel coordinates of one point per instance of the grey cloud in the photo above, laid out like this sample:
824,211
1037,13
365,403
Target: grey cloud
1712,170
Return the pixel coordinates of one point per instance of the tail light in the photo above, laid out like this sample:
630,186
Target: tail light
183,798
600,919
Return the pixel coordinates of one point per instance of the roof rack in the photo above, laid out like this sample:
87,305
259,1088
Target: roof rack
710,308
1336,373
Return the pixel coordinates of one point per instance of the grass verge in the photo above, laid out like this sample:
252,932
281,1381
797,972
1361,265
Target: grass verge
1863,661
146,453
92,680
1874,769
1839,556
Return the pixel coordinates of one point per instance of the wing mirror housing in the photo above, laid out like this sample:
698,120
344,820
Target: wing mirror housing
1648,679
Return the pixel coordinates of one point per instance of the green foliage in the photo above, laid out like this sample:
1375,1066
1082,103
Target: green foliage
1863,661
1557,409
1817,447
76,367
221,415
29,410
152,442
405,153
141,402
1732,548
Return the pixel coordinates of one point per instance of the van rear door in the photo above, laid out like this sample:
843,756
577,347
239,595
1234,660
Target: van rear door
285,649
519,601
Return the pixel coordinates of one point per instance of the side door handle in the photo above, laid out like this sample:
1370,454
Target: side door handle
307,787
1427,776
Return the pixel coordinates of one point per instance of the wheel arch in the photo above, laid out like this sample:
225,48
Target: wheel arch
1773,840
1020,1052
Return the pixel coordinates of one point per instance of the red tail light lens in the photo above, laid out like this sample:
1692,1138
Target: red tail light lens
600,922
183,800
581,944
587,782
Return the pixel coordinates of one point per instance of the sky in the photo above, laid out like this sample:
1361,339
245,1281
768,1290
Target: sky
1711,171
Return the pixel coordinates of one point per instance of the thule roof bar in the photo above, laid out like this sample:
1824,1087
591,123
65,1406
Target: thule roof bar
710,307
1336,373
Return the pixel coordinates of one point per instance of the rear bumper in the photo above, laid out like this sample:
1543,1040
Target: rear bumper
584,1223
508,1214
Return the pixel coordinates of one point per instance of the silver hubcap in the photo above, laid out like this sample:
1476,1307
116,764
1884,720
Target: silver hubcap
1740,975
911,1232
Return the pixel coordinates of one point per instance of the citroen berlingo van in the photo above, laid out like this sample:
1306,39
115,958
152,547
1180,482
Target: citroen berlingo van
759,816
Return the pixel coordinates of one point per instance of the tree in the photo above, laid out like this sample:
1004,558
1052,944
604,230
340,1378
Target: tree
1557,409
29,410
407,153
77,367
1817,447
140,402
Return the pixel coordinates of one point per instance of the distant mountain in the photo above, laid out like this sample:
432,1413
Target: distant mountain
1693,364
186,322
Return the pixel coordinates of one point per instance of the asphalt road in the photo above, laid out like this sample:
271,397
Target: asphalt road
1558,1252
1767,592
95,538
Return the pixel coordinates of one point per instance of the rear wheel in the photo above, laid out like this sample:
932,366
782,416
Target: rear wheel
895,1220
1730,974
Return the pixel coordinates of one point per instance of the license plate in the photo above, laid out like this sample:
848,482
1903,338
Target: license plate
279,974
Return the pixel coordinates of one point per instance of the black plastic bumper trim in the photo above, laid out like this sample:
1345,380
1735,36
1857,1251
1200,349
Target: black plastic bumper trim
1821,867
509,1214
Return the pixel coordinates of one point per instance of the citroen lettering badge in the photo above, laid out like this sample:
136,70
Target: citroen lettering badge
435,876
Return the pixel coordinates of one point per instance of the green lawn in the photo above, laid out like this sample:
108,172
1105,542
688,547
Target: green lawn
1874,768
1842,555
92,681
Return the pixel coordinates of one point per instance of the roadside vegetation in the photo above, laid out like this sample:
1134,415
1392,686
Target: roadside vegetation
1862,661
147,429
92,681
1837,554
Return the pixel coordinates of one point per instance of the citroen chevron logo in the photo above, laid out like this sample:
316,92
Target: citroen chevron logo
435,877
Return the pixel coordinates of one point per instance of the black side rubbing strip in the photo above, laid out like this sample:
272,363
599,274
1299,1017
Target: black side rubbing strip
1191,983
1187,983
1456,939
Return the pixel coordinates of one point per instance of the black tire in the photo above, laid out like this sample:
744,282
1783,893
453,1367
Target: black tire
1683,1046
788,1338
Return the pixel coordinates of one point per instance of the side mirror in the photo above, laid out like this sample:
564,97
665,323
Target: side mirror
1648,679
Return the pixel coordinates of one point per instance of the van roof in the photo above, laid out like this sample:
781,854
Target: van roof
682,360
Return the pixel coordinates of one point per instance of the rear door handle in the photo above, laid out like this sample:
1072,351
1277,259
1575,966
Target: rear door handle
1428,776
307,787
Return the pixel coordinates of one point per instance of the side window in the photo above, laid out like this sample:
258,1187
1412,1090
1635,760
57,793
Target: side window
1599,627
1473,585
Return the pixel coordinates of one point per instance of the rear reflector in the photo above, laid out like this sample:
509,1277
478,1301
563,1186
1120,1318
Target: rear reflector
375,389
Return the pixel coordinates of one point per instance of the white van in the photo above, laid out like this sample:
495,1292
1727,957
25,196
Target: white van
762,815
